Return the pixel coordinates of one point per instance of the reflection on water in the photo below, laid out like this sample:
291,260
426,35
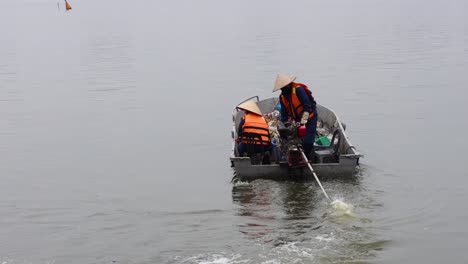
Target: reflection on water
256,206
298,200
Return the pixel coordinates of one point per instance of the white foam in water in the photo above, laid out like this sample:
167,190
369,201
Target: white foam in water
222,260
241,183
271,261
340,208
294,248
324,238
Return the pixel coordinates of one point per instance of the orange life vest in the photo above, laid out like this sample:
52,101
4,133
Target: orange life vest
254,123
296,108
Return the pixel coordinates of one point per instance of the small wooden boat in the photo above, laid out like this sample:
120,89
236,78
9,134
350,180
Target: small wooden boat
337,159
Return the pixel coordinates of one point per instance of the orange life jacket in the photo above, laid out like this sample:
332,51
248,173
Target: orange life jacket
255,124
296,108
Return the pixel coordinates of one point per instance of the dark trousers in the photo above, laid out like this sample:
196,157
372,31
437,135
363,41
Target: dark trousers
242,148
309,139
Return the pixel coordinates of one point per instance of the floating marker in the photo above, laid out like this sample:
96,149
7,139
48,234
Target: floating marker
67,5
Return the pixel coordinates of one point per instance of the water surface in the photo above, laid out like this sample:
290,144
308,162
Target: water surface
115,131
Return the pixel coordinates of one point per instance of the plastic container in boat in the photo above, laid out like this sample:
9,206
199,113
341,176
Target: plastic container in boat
302,131
323,141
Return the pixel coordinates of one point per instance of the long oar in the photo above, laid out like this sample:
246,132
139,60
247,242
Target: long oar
315,175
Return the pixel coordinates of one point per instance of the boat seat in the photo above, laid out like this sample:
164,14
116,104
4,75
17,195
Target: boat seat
258,153
329,153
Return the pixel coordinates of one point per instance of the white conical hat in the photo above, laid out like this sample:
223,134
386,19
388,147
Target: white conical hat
283,80
250,106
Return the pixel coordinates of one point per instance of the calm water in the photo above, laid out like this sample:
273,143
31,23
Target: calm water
115,130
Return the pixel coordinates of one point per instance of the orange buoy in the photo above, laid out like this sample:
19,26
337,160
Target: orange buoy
67,5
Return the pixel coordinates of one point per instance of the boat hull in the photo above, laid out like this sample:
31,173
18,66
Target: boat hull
281,171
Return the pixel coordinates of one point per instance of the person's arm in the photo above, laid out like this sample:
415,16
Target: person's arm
239,129
284,112
306,103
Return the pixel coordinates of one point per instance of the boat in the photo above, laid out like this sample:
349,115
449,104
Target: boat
336,158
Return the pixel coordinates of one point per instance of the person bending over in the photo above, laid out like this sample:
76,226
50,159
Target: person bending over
298,104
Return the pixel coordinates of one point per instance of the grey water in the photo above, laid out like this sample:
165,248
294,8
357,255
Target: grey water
115,122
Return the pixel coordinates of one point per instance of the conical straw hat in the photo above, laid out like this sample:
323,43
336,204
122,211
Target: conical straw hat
283,80
250,106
